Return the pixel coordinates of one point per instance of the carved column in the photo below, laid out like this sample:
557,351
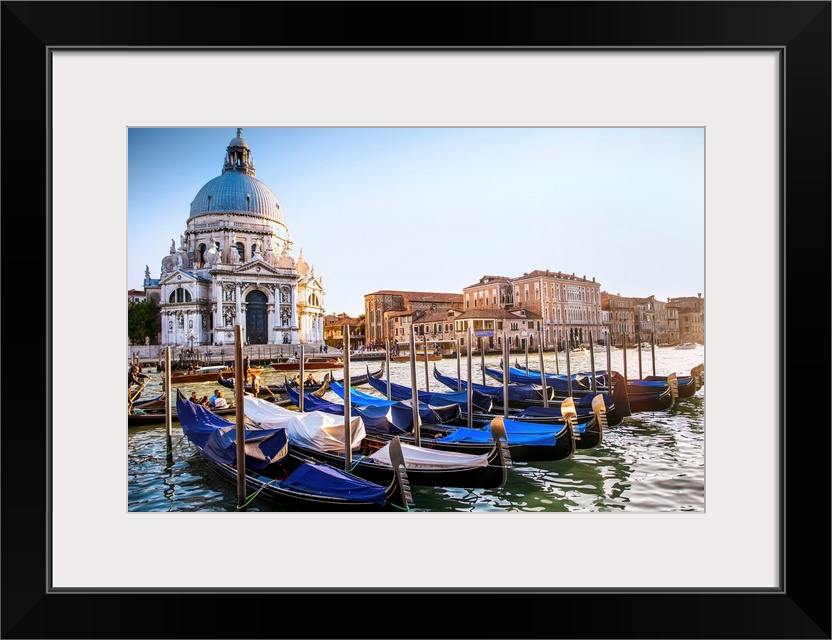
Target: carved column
218,319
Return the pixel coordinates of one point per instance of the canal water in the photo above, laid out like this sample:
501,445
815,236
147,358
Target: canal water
652,462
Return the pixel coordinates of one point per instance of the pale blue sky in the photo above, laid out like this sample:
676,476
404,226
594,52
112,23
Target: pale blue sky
434,209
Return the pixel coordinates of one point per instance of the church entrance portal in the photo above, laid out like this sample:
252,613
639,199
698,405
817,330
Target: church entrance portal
256,321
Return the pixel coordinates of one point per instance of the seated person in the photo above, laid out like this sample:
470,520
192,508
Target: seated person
213,398
310,380
194,398
219,402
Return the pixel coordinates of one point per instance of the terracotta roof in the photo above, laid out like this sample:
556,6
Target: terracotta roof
420,296
336,321
491,280
537,273
433,316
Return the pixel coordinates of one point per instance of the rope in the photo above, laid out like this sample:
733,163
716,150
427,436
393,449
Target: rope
254,495
173,448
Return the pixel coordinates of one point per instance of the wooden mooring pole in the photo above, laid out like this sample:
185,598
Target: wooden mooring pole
427,359
568,367
347,401
458,367
387,366
168,408
239,394
638,339
505,374
653,349
414,387
592,363
469,386
301,382
543,372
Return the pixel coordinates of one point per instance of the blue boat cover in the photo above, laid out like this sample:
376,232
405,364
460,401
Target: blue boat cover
554,380
217,437
396,418
516,392
314,403
324,480
359,397
483,436
517,426
482,402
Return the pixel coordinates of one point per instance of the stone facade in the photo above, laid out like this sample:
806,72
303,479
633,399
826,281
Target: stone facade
233,265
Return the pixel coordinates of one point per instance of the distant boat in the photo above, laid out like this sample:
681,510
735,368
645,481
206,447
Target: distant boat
420,357
686,345
142,416
309,364
202,374
437,349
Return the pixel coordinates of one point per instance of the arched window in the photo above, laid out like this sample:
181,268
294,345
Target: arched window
201,252
180,295
242,251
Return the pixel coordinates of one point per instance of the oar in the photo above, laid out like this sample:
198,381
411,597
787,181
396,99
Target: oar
138,391
254,377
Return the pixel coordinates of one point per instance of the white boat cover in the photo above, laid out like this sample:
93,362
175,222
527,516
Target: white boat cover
419,457
318,429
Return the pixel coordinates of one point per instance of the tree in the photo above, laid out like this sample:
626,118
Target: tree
142,321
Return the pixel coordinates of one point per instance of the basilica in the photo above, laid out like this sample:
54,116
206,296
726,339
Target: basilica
234,266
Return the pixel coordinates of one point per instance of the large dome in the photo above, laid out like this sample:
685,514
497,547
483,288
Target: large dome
237,193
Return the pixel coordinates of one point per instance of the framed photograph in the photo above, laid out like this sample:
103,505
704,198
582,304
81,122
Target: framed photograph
78,76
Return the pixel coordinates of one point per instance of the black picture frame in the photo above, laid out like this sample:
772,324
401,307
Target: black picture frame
800,31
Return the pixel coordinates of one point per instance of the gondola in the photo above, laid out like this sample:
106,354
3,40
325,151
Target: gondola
446,428
277,473
309,364
688,385
203,374
399,413
636,389
551,416
141,417
586,431
361,378
268,390
418,357
278,390
517,397
370,456
481,402
617,404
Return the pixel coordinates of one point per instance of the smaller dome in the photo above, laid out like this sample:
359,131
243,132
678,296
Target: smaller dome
239,142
